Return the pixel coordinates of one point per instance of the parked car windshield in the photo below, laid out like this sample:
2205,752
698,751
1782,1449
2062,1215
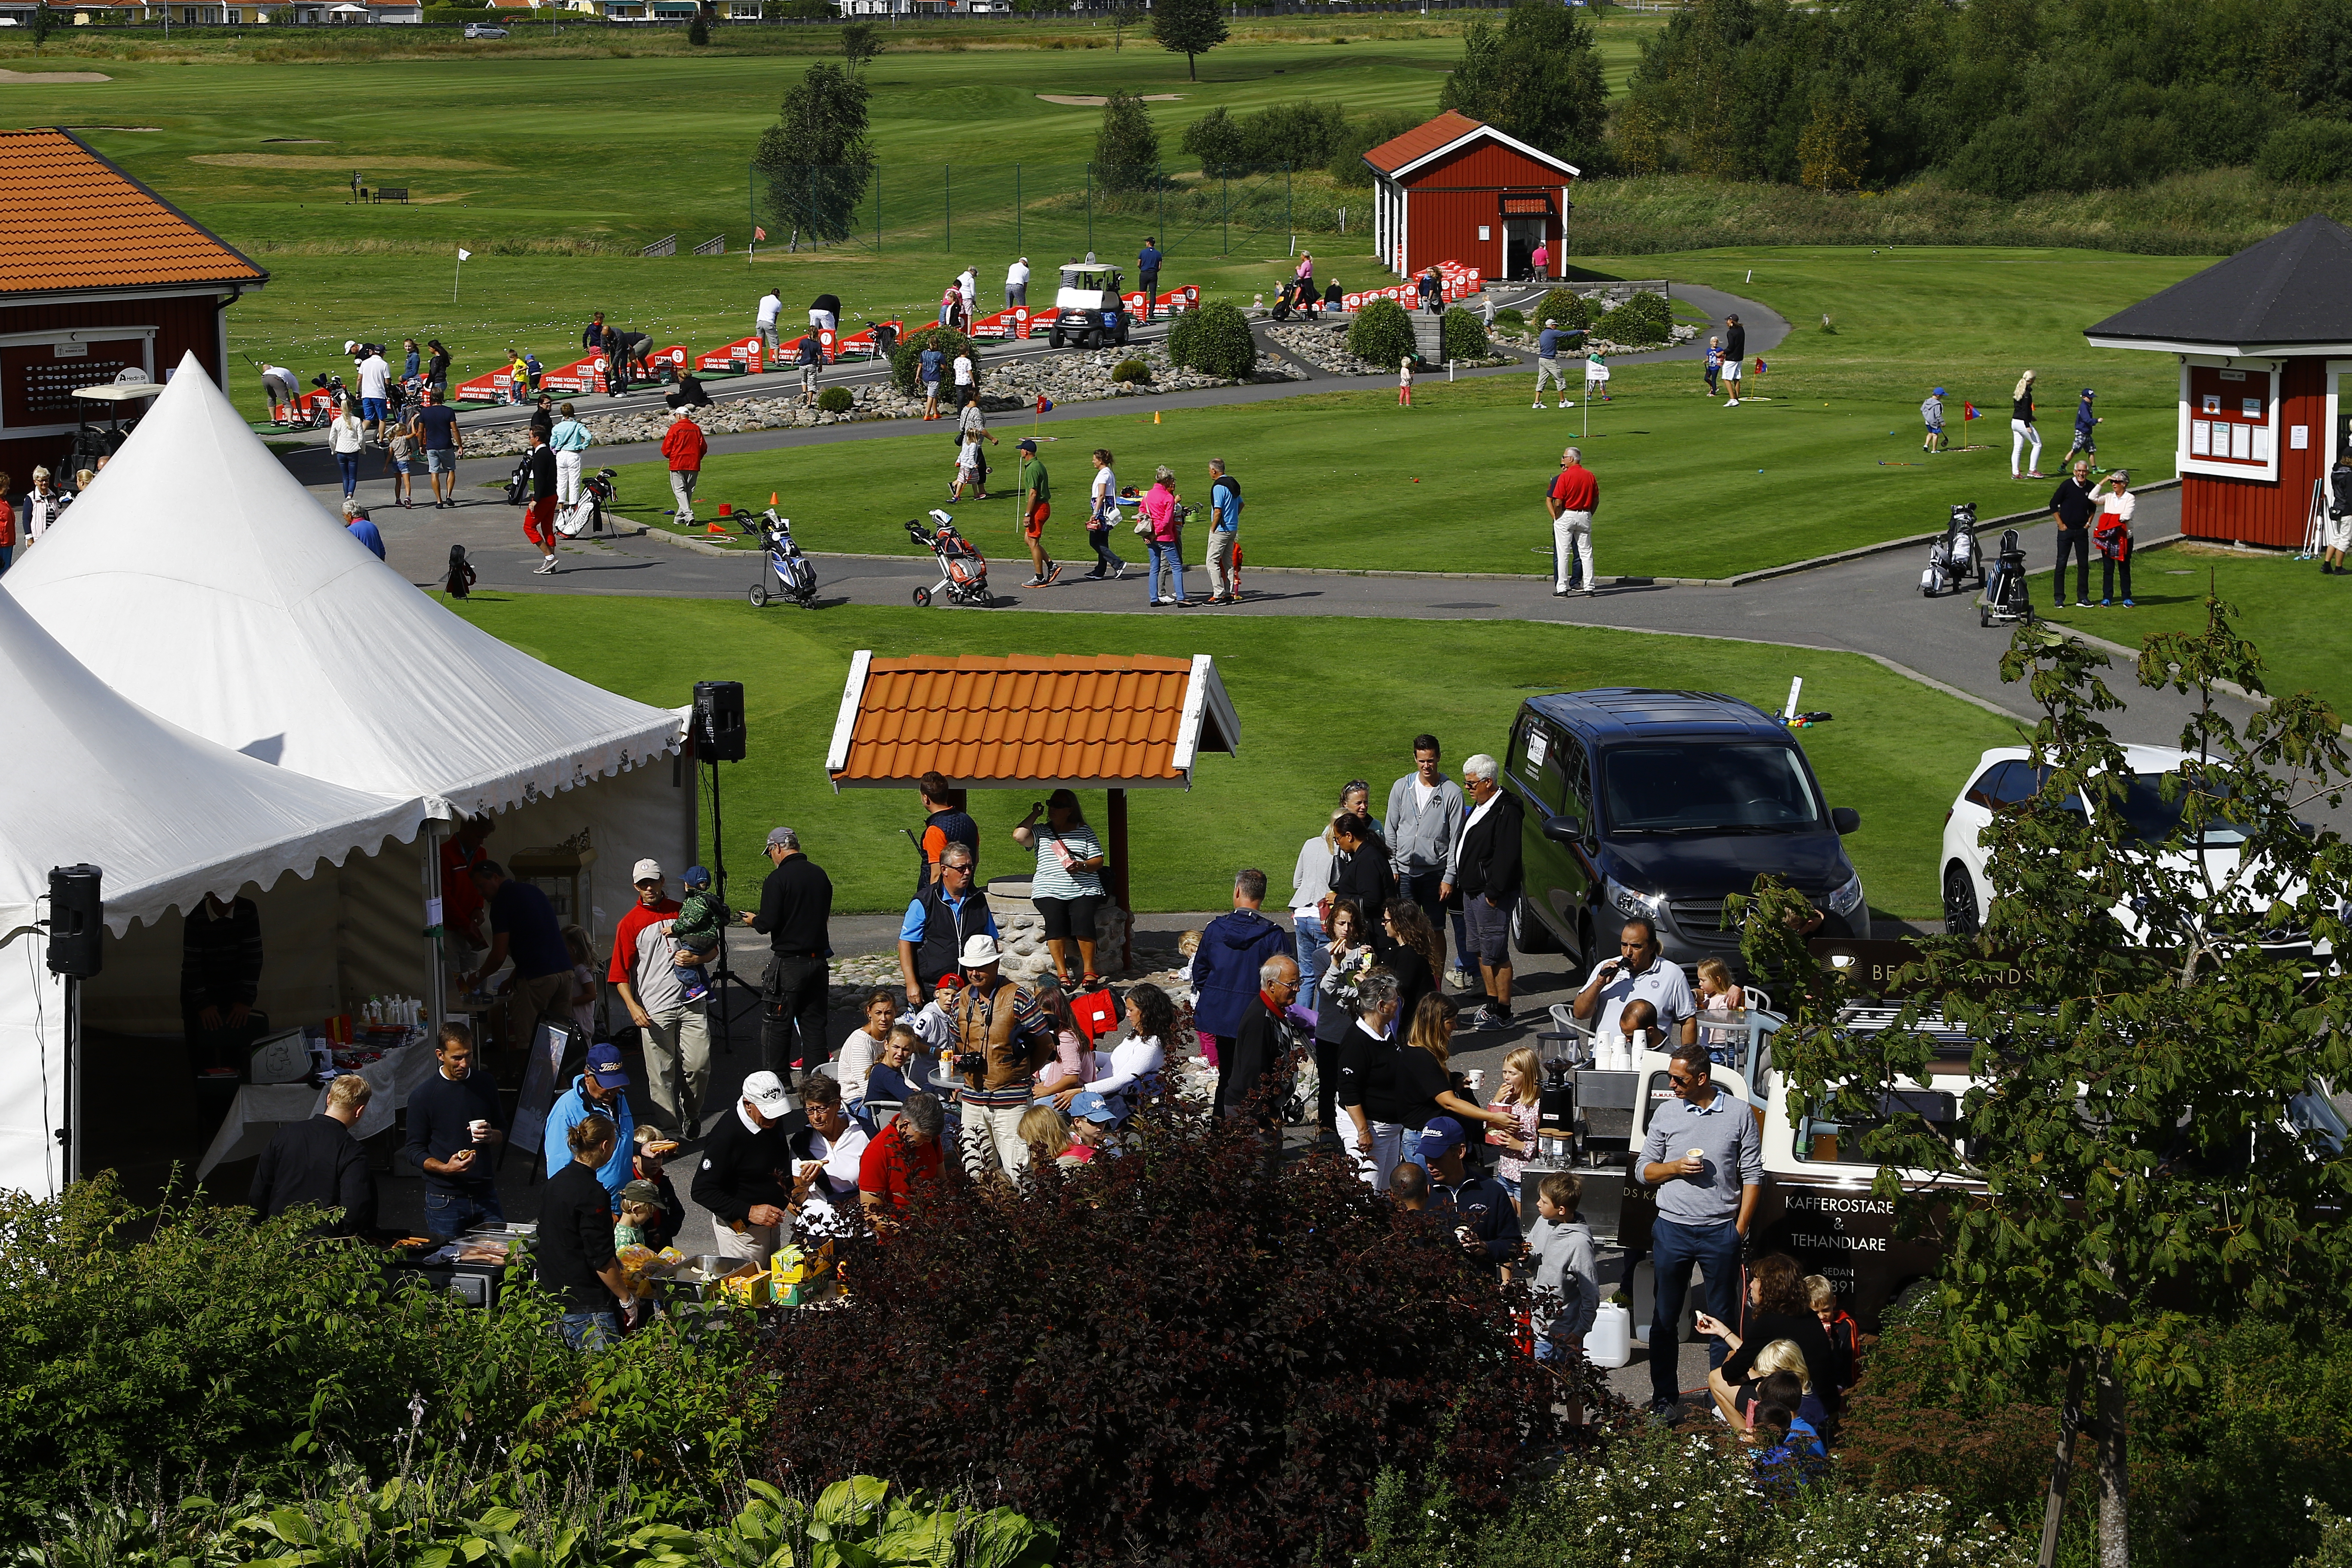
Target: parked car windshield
1691,786
2155,820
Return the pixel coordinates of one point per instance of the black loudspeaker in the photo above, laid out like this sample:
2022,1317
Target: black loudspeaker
718,721
76,921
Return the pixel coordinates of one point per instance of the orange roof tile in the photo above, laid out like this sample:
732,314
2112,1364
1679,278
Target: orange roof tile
72,220
1130,721
1421,140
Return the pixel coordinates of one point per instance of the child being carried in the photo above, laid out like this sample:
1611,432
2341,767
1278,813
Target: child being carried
700,926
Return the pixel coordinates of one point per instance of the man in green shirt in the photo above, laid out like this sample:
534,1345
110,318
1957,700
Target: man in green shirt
1037,492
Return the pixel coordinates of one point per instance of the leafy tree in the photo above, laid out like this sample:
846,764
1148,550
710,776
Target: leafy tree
2307,152
698,32
1358,137
860,42
905,354
2139,1068
1126,150
1217,139
1188,27
1463,334
815,160
1537,78
1123,15
1831,153
1566,306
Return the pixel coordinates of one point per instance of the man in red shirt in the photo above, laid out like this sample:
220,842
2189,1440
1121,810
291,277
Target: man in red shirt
461,901
1575,497
904,1154
684,445
676,1032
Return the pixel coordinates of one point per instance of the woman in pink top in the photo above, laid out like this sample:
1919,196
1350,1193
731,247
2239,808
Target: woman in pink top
1166,522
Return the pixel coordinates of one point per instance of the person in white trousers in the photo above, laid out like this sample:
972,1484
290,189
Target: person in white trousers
1574,497
570,438
2021,430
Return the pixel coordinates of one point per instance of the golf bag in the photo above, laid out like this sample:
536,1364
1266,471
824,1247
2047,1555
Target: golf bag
963,570
795,575
2339,490
518,484
2006,597
586,515
1955,557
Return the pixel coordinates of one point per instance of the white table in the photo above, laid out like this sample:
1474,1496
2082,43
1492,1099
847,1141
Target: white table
261,1108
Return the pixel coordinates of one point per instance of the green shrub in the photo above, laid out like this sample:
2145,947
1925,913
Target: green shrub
1132,371
1464,336
699,33
1382,333
1565,306
1214,340
835,400
191,1342
908,350
2307,152
1641,322
1511,317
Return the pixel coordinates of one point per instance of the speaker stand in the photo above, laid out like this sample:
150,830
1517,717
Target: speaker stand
726,974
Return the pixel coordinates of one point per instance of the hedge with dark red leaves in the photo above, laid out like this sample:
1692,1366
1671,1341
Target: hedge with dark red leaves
1177,1356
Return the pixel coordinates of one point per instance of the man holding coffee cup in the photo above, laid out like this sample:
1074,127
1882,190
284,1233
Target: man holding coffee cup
1704,1156
453,1135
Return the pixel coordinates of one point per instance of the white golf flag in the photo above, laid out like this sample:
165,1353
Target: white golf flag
464,253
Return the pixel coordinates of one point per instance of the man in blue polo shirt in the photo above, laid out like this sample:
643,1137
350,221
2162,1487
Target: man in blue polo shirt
602,1091
1146,274
1704,1155
1224,534
941,918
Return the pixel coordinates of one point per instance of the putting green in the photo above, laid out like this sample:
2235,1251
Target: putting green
1320,700
1688,487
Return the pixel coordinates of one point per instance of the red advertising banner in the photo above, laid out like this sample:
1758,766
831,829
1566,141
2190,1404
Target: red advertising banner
580,378
746,350
675,356
490,388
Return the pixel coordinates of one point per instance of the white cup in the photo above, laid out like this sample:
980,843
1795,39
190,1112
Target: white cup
478,1128
1477,1077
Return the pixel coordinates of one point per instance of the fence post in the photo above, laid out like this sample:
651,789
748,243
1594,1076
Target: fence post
878,209
1287,223
752,206
1090,209
947,177
1016,209
1226,210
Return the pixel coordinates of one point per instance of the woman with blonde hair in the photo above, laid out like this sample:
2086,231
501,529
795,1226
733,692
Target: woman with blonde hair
2021,430
1521,1099
1047,1131
1424,1072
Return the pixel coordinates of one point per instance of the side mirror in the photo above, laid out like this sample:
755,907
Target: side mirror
1562,829
1845,819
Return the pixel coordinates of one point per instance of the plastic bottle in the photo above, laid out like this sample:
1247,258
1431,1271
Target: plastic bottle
1610,1342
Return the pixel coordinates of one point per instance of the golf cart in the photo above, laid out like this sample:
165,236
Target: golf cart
127,393
1088,310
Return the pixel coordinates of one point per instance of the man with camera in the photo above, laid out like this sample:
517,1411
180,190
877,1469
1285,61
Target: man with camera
1001,1037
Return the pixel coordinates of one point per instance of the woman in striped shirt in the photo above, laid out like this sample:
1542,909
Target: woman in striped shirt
1067,888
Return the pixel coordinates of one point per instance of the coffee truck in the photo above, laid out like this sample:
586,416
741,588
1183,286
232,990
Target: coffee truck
1819,1203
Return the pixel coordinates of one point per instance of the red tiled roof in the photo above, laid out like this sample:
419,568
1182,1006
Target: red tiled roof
1421,140
1131,722
69,219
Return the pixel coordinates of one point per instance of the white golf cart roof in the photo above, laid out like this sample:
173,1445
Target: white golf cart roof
130,387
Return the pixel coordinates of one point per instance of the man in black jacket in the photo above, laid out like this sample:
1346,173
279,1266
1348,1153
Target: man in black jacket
794,914
1263,1041
745,1177
1487,872
220,974
539,522
941,918
318,1162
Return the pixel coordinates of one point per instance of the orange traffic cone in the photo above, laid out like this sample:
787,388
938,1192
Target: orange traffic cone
714,527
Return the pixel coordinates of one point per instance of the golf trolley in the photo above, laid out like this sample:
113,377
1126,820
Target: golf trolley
1955,557
963,570
586,515
795,577
2006,598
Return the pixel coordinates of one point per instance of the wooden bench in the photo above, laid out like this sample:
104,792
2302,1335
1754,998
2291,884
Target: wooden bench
392,193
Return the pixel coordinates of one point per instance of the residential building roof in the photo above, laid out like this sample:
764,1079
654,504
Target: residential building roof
1402,154
1120,722
70,220
2292,289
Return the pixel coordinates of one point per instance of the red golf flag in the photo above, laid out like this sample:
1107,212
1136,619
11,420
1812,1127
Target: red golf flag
1045,404
1969,412
759,232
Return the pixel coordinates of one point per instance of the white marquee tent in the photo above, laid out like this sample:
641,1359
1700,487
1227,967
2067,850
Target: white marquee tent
167,816
197,578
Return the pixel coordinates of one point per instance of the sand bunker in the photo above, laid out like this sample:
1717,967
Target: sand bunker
321,161
8,76
1087,101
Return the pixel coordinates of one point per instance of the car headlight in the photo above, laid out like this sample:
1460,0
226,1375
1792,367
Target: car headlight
1847,898
1626,902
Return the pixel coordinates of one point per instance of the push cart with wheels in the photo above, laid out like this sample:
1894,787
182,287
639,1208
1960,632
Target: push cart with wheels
963,570
781,562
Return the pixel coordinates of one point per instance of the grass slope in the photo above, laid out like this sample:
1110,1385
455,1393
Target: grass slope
2284,606
1320,700
1689,488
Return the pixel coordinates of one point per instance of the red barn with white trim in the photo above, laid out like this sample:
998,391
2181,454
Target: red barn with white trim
1457,189
2264,342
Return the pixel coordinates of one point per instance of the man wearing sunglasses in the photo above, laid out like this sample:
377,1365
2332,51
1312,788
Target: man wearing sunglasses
1704,1155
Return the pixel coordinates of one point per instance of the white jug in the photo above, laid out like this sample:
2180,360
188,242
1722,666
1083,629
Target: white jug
1610,1341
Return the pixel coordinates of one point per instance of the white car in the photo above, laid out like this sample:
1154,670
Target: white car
478,30
2005,778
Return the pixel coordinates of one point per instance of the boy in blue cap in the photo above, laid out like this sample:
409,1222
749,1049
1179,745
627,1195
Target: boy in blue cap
1487,1220
1932,413
1092,1121
701,924
2086,422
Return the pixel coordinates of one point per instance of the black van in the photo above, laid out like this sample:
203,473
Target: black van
1659,804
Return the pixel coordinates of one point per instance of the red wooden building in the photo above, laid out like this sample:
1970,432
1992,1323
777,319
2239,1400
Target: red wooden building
2264,340
1458,189
99,275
